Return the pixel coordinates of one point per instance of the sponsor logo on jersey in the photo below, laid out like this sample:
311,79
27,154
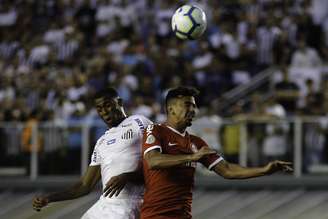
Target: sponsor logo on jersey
150,139
149,129
191,164
94,156
172,144
101,141
128,134
142,127
126,125
111,141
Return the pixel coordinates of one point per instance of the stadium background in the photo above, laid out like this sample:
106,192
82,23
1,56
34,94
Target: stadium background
261,68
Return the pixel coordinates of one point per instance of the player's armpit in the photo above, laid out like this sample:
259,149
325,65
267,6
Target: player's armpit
91,177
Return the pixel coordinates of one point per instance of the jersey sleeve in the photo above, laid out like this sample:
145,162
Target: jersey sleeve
151,139
95,157
145,121
142,122
210,160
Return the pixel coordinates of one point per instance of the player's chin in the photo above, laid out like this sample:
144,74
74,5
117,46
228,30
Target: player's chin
188,123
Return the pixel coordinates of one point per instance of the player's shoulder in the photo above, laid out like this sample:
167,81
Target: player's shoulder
158,126
194,137
101,139
140,120
155,127
197,140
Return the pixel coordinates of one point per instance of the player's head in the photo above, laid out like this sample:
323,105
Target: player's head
109,106
181,105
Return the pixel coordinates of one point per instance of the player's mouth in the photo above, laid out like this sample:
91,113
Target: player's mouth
190,115
190,118
108,120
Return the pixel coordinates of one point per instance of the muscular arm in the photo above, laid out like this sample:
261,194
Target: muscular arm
81,188
235,171
157,160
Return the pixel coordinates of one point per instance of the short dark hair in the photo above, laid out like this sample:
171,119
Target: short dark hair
109,92
181,91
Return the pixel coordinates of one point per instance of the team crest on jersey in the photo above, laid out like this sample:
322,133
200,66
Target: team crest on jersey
194,148
150,139
128,134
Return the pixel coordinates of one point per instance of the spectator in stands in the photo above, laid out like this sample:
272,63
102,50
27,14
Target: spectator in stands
30,142
315,133
31,39
275,145
230,135
266,36
3,143
86,20
305,56
287,92
310,97
31,138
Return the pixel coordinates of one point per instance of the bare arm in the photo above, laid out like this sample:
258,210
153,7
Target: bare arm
157,160
81,188
115,184
235,171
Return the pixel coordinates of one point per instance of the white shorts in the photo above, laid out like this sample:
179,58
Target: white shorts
106,208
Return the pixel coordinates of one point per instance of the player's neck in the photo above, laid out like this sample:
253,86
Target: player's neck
118,121
175,125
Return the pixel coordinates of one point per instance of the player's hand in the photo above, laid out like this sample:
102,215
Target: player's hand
278,165
39,202
202,152
115,185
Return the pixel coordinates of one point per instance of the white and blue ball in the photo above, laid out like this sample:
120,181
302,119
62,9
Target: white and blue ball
189,22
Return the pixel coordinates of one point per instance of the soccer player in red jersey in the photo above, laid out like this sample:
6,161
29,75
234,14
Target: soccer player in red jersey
170,157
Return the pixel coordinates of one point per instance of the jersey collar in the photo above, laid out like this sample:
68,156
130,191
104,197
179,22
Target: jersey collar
114,128
176,131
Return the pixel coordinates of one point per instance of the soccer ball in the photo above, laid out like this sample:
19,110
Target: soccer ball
188,22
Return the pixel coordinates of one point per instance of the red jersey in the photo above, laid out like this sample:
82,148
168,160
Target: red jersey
168,191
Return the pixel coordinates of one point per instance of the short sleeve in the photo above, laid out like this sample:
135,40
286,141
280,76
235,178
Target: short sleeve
146,121
95,157
142,122
210,160
151,139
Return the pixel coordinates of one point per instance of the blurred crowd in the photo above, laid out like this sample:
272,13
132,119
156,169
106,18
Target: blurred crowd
54,55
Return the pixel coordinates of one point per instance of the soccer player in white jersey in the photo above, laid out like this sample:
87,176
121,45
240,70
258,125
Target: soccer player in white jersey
117,152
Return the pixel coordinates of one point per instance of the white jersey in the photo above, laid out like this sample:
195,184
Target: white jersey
119,151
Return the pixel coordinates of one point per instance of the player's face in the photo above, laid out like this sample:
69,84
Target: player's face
184,110
110,110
